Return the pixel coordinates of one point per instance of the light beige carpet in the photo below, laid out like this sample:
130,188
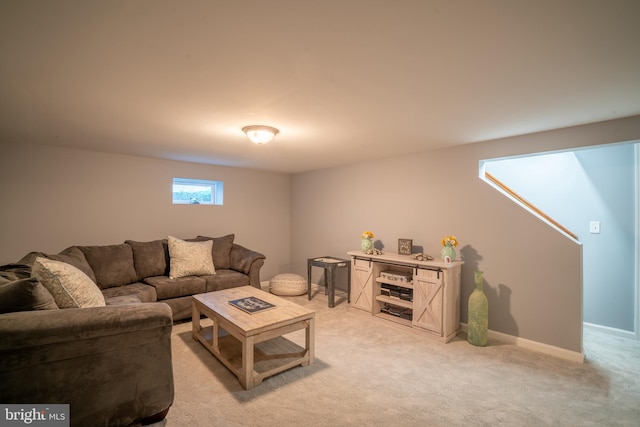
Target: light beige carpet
371,373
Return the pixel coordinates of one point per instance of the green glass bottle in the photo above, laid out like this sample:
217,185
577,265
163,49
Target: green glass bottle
478,321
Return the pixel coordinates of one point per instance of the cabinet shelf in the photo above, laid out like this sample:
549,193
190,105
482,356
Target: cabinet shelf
408,285
395,301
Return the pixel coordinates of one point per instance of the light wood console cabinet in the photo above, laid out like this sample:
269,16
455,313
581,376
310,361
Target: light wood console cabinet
424,295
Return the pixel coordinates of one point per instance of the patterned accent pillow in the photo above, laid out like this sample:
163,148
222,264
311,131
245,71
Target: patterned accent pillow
70,287
190,258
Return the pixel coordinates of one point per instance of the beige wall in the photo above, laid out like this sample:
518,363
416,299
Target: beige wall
532,272
56,197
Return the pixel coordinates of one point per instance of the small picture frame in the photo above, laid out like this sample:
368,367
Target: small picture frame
405,246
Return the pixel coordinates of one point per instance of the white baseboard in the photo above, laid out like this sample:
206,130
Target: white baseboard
613,331
533,345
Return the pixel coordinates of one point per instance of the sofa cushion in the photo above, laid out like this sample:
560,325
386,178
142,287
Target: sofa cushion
189,258
225,279
30,258
112,264
150,258
11,272
172,288
69,286
74,256
221,249
145,293
123,299
25,295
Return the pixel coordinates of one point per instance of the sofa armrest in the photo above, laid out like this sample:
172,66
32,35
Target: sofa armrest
248,262
112,364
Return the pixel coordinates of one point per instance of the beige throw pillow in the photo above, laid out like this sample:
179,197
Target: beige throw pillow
190,258
69,286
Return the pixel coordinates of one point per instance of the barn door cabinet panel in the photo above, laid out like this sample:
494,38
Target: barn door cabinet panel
423,295
362,284
428,300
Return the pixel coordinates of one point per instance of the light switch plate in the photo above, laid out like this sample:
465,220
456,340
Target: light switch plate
594,227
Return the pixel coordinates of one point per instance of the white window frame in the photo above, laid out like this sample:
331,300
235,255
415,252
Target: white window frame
215,188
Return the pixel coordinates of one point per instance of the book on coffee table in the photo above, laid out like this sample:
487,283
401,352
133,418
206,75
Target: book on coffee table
251,304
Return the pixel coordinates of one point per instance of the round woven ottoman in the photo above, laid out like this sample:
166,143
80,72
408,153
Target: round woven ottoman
288,284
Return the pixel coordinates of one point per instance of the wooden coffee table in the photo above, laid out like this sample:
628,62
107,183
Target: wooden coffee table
252,346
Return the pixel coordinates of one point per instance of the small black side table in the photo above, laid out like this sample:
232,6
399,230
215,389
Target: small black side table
330,265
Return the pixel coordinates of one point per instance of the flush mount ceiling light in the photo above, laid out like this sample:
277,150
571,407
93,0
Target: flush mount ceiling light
260,134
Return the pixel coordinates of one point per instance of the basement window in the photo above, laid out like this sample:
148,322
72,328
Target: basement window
188,191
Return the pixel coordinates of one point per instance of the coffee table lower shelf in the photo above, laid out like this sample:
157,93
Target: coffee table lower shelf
269,357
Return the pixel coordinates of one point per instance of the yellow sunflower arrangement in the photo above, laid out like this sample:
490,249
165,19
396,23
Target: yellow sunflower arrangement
367,235
449,241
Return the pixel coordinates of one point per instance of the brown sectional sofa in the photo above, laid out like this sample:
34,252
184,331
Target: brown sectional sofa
112,364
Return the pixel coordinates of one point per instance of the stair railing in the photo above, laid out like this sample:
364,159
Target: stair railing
528,204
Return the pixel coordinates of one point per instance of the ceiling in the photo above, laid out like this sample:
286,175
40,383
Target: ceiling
343,80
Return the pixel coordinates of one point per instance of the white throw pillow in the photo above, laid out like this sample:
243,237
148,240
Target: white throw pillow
70,287
190,258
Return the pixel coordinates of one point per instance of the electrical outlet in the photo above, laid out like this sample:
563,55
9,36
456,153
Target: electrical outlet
594,227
